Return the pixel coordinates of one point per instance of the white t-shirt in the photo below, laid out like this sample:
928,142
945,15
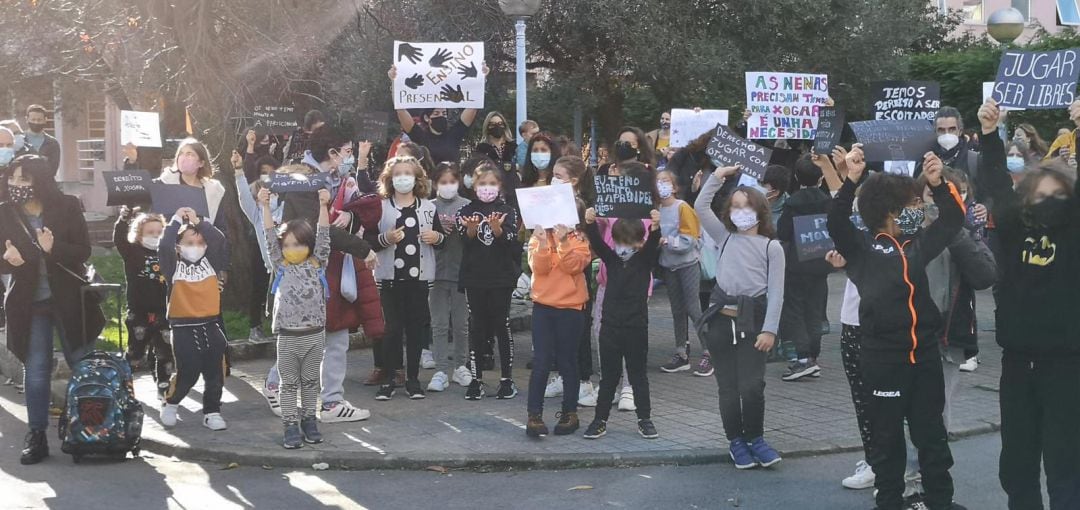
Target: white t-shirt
849,311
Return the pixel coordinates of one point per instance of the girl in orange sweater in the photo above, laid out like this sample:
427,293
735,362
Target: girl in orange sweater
557,258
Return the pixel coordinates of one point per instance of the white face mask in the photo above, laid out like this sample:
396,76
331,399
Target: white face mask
744,218
556,180
448,191
151,243
625,252
665,189
467,181
948,140
192,253
404,183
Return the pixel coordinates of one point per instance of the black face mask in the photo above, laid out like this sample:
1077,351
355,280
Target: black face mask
36,127
624,151
1051,212
665,124
496,131
439,124
20,194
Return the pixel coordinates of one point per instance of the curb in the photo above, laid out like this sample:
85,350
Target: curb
304,458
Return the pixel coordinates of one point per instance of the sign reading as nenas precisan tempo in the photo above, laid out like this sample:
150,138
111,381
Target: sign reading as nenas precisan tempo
1039,80
439,75
784,105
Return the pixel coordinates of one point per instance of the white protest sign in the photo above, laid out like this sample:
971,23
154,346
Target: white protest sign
686,124
548,206
439,75
988,90
784,105
141,129
900,168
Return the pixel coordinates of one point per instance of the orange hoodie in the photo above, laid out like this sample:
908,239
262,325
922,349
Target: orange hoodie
558,271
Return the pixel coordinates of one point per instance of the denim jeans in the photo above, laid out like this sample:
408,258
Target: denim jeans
37,371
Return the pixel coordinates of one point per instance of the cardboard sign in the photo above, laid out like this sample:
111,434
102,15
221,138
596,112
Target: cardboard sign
284,183
728,149
278,120
812,239
988,92
372,126
830,128
900,168
439,75
141,129
623,196
1039,80
168,198
547,206
895,140
127,187
906,100
784,105
687,125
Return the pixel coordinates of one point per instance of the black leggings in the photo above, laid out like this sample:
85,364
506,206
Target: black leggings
850,351
405,310
489,313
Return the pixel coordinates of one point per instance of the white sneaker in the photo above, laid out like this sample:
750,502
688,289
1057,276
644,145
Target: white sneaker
626,399
342,411
168,415
462,376
427,361
862,479
214,421
970,365
586,395
272,396
438,382
554,388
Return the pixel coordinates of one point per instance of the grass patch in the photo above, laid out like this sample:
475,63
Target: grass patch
111,268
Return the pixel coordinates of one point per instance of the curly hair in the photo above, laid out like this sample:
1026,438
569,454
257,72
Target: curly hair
755,200
136,227
884,194
421,189
646,154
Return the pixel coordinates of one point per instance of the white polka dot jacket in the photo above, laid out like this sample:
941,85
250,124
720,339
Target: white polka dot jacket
411,258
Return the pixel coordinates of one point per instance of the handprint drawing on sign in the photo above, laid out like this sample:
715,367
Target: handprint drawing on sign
410,52
468,71
441,57
414,82
452,95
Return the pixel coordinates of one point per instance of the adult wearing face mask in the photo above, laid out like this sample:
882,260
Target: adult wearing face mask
498,144
37,140
659,138
44,248
537,171
192,167
1037,146
1038,226
951,147
442,138
19,143
631,145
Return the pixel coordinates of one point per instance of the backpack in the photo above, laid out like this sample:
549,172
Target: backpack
101,414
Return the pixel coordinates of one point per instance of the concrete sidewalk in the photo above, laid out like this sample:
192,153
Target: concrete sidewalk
805,417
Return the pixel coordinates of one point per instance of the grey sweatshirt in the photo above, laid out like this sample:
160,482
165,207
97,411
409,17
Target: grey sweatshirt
682,236
448,259
300,300
749,265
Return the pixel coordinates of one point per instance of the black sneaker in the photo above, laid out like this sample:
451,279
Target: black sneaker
414,389
507,389
596,430
35,448
386,392
678,363
798,369
647,429
475,390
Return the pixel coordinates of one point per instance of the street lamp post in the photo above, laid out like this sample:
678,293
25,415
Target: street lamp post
1005,25
520,10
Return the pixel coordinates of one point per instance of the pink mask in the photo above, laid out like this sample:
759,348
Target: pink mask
487,193
189,166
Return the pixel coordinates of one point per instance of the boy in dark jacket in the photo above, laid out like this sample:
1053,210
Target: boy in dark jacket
901,325
624,322
806,279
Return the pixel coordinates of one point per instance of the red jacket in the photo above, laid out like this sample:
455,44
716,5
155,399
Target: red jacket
366,312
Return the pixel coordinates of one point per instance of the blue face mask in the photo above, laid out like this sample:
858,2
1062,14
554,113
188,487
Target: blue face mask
349,160
1015,164
625,252
540,159
6,155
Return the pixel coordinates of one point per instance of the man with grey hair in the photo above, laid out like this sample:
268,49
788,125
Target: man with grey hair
951,147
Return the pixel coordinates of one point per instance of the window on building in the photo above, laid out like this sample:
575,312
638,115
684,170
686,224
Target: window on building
1024,6
973,12
1068,13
